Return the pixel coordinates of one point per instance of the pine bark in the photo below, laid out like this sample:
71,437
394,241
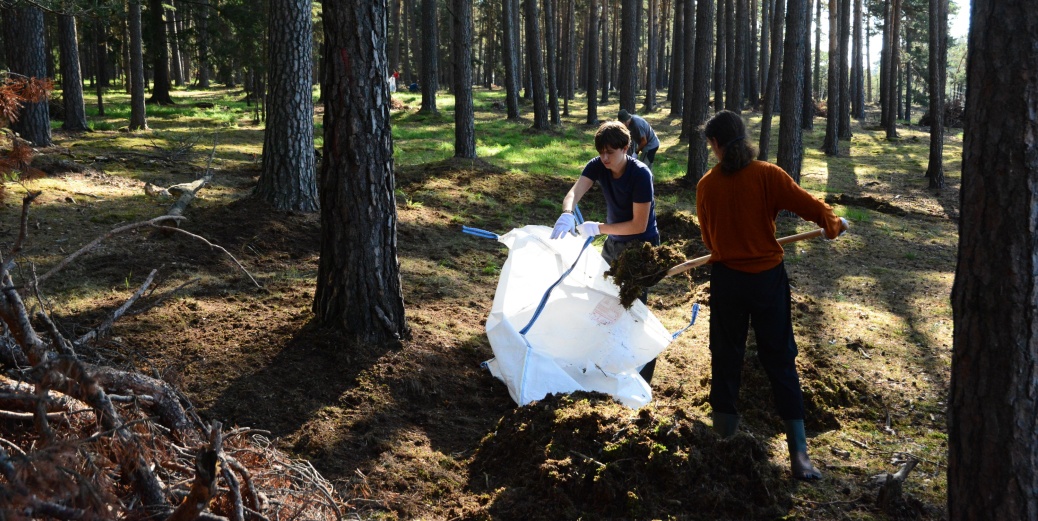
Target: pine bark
25,25
71,77
464,114
650,63
594,14
831,146
676,90
720,57
203,43
535,59
993,404
808,106
430,64
627,76
700,99
845,48
510,56
358,277
174,48
551,65
938,10
160,85
138,120
857,67
288,180
771,90
791,137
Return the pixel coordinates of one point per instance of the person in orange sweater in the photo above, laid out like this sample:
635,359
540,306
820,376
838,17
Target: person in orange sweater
737,202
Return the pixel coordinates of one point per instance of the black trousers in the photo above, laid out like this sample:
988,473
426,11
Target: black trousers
738,299
611,250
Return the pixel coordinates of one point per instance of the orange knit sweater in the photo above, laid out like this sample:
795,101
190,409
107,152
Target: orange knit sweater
737,214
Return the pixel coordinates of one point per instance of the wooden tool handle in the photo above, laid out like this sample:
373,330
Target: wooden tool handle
699,261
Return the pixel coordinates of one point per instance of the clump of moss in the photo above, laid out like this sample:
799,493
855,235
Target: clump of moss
640,267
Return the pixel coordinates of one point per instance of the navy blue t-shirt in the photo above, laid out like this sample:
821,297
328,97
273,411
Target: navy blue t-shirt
634,186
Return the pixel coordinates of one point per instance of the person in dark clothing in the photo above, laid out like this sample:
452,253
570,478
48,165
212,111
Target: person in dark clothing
737,202
643,137
627,186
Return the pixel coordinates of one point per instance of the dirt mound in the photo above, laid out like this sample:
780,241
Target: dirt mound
586,456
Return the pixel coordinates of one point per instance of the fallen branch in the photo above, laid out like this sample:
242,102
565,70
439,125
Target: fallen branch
191,189
221,248
105,326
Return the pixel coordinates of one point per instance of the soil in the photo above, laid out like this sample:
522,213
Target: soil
420,429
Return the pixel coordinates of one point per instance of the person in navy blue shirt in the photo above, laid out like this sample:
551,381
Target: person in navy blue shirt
627,186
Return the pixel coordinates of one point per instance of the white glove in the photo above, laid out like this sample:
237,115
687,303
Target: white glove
588,228
564,224
845,226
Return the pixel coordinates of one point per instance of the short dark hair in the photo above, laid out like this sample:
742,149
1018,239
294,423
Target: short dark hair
612,134
728,129
623,116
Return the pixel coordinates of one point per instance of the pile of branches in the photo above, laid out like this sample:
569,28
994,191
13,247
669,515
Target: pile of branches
82,440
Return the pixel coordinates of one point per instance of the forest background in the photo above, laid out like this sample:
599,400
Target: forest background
289,337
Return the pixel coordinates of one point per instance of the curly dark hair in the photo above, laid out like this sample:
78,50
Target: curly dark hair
728,129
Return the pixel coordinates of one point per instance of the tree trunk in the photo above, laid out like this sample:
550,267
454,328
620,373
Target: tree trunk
857,67
700,99
752,78
845,100
71,78
831,146
817,88
650,63
536,61
594,14
731,99
101,63
510,55
993,411
552,63
938,10
770,91
808,106
174,47
288,180
606,78
627,80
662,66
464,115
358,277
765,47
738,75
394,22
895,66
720,57
430,58
136,72
791,138
676,90
691,74
203,43
160,69
25,25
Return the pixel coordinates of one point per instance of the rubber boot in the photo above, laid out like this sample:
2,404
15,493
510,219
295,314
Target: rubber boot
799,463
725,424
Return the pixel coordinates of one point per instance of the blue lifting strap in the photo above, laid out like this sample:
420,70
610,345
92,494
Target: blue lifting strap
544,299
695,312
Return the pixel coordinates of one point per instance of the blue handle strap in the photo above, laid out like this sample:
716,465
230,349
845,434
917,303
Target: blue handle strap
695,313
544,299
479,233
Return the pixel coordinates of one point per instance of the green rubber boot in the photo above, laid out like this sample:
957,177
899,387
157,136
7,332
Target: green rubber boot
799,463
725,424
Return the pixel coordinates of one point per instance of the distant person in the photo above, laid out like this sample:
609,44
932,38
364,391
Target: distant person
627,186
737,202
645,141
413,87
392,82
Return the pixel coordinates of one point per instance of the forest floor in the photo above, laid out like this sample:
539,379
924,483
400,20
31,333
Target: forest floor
421,430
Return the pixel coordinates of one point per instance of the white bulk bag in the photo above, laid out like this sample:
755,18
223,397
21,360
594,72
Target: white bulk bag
582,339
